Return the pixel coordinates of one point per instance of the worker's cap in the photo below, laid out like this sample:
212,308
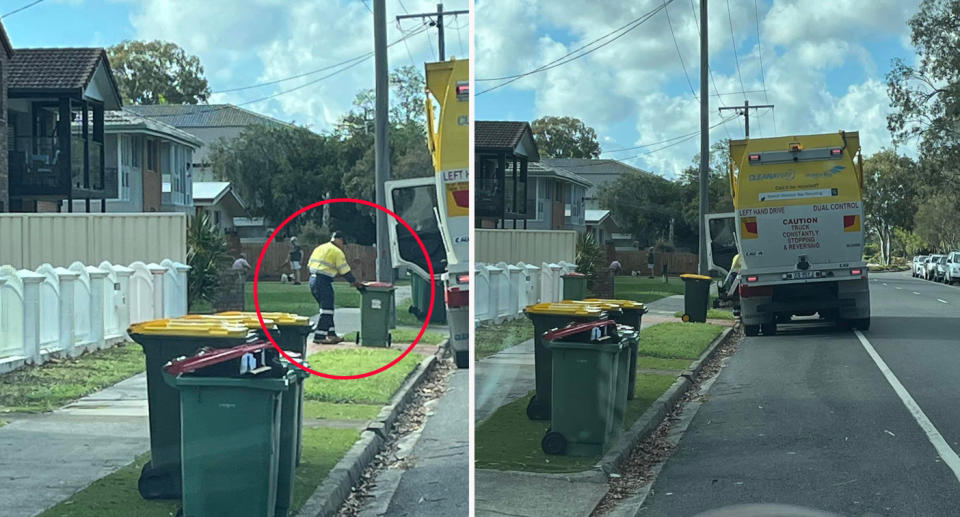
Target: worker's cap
293,239
338,235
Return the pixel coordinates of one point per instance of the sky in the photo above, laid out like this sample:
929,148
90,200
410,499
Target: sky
823,68
246,42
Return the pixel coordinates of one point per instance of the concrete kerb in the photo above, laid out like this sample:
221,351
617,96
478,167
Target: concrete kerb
338,485
654,415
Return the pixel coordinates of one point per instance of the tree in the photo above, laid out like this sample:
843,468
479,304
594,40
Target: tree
926,98
938,220
157,72
889,197
565,137
206,256
645,204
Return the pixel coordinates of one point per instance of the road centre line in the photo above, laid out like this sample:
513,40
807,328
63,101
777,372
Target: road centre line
942,301
947,454
915,292
899,288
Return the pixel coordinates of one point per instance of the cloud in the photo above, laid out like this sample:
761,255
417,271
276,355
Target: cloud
637,82
266,40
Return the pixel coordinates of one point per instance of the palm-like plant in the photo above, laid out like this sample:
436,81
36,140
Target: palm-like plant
207,257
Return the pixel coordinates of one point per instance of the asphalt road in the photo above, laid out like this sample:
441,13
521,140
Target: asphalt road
809,418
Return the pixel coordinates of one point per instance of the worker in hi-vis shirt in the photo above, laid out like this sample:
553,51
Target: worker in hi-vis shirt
326,263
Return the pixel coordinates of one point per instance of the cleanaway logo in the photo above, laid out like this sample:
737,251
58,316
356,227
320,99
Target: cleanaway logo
766,176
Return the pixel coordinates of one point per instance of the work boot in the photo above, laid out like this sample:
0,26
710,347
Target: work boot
332,340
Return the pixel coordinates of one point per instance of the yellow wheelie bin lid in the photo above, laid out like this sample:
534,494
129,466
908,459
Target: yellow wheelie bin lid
280,318
624,304
565,309
692,276
240,319
190,328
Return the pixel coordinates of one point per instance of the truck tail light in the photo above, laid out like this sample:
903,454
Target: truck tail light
836,152
463,279
754,157
747,291
752,278
856,272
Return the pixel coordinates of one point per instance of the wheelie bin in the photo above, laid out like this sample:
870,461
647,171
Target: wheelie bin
631,315
589,390
545,317
574,286
290,331
420,299
696,297
376,304
162,341
239,407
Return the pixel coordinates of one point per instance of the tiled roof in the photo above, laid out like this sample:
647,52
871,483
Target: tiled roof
539,169
118,121
204,115
498,134
53,68
585,167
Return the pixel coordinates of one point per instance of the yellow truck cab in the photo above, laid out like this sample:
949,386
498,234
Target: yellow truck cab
798,222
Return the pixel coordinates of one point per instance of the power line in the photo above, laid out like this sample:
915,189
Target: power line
679,55
365,4
623,30
733,41
763,81
17,10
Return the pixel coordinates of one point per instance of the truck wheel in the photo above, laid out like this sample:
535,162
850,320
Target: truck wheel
553,443
751,330
861,324
769,329
462,358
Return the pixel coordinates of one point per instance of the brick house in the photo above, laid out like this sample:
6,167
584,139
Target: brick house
5,56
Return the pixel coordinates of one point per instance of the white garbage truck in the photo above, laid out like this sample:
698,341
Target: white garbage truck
798,228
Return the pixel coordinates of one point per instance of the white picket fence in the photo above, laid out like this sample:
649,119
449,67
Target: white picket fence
504,290
65,311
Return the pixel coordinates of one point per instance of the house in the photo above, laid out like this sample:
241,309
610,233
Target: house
147,164
503,151
211,123
218,200
607,231
599,173
556,198
55,104
6,54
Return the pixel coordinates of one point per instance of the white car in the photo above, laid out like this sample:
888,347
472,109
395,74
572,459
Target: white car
930,267
918,265
952,268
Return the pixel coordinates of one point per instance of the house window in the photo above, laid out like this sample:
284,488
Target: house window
216,217
136,151
535,196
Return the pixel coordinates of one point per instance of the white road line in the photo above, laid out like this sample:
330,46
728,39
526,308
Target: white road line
884,283
942,301
899,288
915,292
948,455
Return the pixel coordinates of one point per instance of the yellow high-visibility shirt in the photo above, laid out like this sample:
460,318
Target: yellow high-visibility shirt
327,259
737,263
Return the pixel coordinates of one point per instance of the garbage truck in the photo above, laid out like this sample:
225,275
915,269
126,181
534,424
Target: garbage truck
798,228
437,207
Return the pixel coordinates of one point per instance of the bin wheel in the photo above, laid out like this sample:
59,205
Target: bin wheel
751,330
553,443
685,318
389,339
462,358
358,338
157,484
769,329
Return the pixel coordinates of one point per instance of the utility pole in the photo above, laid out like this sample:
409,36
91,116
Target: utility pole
438,23
382,138
704,139
745,111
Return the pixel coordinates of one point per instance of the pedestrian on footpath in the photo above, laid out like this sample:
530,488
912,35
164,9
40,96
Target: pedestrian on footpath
296,255
326,263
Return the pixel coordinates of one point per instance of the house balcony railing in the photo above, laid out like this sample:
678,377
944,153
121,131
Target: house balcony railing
38,168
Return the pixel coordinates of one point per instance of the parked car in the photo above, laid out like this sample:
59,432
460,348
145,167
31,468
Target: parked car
953,268
918,265
940,271
930,268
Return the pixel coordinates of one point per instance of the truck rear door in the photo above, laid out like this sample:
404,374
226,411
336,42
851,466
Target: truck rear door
415,201
721,241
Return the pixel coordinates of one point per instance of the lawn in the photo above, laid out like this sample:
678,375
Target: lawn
491,338
376,389
33,389
116,495
317,410
277,297
646,290
677,340
401,335
714,314
508,440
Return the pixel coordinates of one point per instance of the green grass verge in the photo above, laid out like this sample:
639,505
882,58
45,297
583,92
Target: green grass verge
713,314
646,290
46,387
659,363
678,340
508,440
491,338
405,335
376,389
277,297
318,410
116,495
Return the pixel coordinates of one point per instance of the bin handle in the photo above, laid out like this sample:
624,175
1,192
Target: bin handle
579,328
215,357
